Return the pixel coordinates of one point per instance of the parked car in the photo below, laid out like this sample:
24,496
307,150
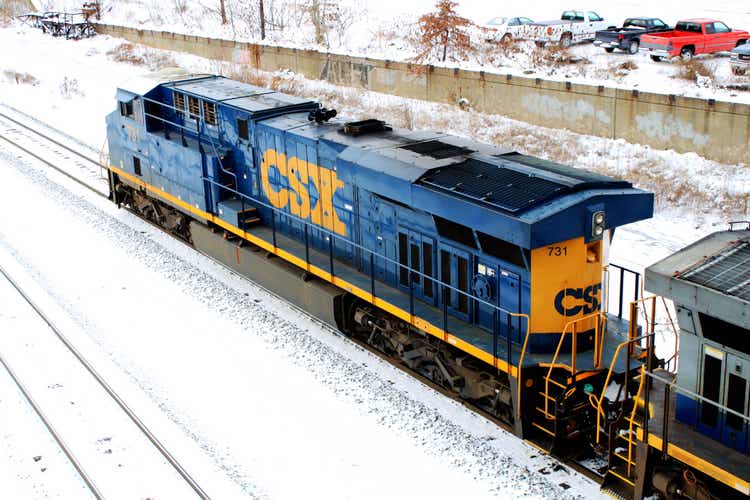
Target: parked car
741,59
573,26
505,29
628,38
692,37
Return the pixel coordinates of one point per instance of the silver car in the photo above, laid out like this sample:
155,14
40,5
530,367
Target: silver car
741,59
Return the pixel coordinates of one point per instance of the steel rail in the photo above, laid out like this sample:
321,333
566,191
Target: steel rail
133,417
60,442
50,164
57,143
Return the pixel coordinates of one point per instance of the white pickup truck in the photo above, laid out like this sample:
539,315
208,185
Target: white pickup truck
574,26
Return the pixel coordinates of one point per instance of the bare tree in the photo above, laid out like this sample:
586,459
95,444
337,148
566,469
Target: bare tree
262,13
444,31
318,21
223,12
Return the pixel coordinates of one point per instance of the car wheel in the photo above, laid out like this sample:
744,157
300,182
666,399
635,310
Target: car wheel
686,53
566,40
633,47
656,58
609,50
506,39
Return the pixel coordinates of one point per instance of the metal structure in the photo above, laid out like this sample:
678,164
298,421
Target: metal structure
73,25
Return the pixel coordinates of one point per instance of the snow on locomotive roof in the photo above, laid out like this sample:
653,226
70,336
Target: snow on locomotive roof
240,95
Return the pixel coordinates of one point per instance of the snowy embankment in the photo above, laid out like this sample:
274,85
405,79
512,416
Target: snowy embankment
386,29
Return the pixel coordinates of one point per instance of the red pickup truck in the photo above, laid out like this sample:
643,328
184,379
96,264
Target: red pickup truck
691,37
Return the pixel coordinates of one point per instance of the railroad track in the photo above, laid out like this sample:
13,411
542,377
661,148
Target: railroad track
142,428
54,148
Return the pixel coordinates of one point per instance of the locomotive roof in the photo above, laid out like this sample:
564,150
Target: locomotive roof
524,200
711,275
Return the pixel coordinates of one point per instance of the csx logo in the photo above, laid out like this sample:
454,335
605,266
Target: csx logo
301,176
573,301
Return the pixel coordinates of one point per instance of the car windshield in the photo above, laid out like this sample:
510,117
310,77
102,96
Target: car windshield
497,21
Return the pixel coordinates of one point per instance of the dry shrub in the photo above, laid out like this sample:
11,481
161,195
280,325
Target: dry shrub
127,53
554,56
20,78
692,69
628,65
138,55
622,69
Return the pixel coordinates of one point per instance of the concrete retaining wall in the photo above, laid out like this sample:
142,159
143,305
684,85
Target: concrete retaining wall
714,129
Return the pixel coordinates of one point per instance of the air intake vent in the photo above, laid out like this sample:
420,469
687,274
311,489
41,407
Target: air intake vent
436,149
503,188
363,127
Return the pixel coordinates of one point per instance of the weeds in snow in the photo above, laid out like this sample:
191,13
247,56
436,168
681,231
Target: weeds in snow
138,55
20,78
69,88
693,70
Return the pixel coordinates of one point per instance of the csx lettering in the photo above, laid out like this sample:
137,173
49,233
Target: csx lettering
573,301
300,174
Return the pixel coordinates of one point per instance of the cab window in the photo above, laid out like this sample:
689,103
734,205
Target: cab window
721,28
658,23
126,109
593,16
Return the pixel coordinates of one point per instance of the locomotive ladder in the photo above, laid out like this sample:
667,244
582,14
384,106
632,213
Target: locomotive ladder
622,432
620,478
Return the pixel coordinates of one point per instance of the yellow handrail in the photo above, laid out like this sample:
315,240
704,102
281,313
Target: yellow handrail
632,417
599,409
520,360
553,364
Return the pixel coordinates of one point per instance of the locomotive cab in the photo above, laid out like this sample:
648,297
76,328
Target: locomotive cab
701,412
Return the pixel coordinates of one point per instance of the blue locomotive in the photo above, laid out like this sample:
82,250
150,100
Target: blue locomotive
479,268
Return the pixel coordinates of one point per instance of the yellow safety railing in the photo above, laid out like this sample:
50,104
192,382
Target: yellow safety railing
597,403
631,441
599,329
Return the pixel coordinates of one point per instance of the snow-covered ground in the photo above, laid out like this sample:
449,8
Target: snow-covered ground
387,28
258,399
120,460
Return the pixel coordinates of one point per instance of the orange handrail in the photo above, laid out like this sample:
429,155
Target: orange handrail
632,417
553,364
598,406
